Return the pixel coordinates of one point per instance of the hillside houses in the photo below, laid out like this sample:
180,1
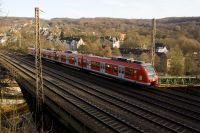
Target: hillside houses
161,53
3,39
112,41
72,43
160,48
109,41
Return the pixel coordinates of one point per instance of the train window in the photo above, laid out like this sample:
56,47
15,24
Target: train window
97,64
92,63
63,57
84,62
107,67
150,70
79,61
128,72
115,69
89,63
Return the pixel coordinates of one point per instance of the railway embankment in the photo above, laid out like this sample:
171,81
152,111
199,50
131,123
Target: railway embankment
14,111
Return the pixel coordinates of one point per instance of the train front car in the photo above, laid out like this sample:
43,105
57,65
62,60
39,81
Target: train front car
152,77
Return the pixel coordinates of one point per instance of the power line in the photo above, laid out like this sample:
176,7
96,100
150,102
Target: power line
153,41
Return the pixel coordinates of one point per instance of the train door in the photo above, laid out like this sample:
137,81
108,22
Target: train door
67,59
121,71
88,64
102,67
76,61
80,62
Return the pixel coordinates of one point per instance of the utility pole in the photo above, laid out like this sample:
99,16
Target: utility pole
153,41
20,40
0,114
38,66
38,61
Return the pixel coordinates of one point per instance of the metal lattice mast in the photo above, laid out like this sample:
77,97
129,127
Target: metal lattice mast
153,41
38,63
0,118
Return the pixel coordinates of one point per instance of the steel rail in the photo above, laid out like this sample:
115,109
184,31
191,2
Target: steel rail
108,101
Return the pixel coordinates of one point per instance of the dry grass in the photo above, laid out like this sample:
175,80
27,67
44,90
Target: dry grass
9,108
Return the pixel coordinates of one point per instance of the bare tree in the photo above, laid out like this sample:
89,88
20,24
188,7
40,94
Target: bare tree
177,61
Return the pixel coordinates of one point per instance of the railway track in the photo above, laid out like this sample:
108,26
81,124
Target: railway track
116,104
176,95
100,116
126,108
104,93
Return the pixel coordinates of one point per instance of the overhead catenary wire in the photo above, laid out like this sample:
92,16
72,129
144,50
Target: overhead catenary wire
153,41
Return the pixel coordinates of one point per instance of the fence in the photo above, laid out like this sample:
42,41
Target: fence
179,81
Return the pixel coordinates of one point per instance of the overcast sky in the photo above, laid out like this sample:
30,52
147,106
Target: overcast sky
102,8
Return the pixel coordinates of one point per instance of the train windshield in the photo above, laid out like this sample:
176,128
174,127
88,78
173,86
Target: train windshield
150,69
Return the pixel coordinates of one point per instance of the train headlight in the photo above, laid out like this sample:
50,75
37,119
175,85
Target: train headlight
140,77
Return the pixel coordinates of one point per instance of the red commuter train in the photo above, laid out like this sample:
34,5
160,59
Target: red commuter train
116,67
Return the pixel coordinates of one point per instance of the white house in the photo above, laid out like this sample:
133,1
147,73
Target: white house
161,48
109,41
3,39
116,43
73,43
